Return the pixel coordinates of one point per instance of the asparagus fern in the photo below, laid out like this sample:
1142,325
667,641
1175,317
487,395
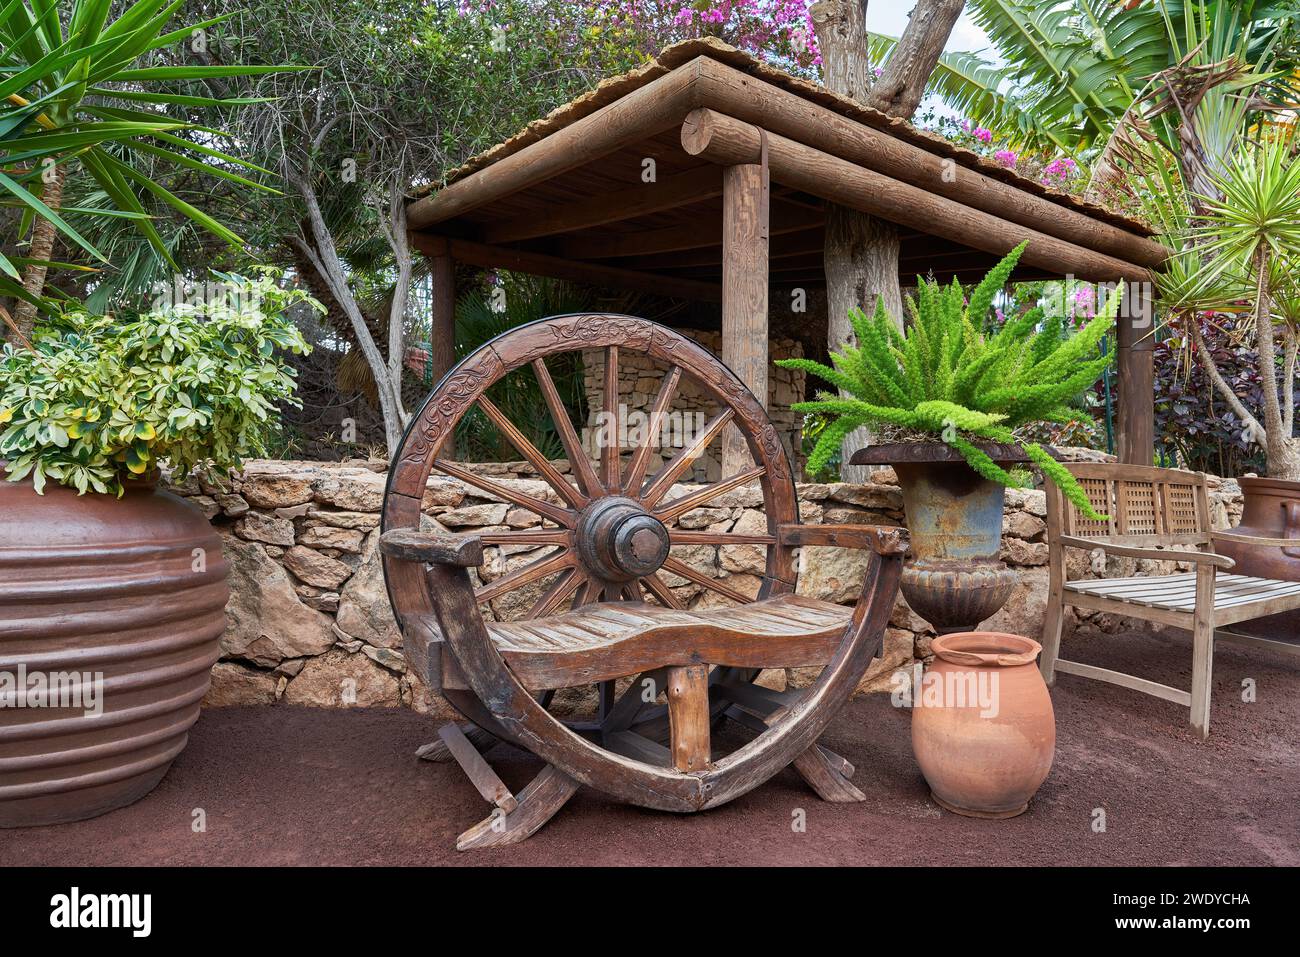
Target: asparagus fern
947,376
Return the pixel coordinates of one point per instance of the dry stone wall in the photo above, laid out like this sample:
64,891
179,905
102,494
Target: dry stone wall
309,621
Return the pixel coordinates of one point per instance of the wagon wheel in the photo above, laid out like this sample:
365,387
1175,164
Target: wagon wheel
604,526
607,531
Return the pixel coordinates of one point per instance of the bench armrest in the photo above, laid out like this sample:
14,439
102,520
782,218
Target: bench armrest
1256,540
881,539
1222,562
434,547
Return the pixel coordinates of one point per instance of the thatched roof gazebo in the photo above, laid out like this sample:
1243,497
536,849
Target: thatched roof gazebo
745,158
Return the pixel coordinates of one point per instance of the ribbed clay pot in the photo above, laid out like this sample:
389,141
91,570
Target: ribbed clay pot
1272,510
130,589
983,730
954,577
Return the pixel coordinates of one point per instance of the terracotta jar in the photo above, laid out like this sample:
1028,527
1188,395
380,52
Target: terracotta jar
983,730
1272,510
119,604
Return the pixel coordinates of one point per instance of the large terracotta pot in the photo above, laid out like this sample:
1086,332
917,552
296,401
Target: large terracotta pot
983,730
131,591
954,577
1272,510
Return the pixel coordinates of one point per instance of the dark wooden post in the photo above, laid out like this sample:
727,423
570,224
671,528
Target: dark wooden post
442,316
1135,424
744,292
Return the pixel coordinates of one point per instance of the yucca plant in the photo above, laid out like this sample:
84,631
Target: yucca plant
79,89
946,376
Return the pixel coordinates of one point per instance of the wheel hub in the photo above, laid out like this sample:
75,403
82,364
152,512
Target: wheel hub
619,540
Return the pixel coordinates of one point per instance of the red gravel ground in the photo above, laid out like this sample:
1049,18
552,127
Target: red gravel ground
298,786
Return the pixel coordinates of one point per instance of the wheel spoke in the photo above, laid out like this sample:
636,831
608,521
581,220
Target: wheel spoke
671,472
659,588
682,537
561,516
678,567
546,565
528,536
579,464
680,506
610,442
588,593
641,458
558,593
534,456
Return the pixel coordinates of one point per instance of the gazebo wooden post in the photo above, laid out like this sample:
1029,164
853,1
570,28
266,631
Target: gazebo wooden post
1135,419
745,194
442,315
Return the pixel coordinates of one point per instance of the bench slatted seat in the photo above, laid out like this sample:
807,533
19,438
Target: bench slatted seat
604,641
1164,515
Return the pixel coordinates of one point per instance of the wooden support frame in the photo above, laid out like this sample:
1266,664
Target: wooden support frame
442,316
1135,418
744,292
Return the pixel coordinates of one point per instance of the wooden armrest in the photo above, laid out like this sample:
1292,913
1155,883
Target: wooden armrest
437,547
1158,554
881,539
1256,540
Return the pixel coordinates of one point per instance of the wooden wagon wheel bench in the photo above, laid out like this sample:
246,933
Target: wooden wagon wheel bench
606,612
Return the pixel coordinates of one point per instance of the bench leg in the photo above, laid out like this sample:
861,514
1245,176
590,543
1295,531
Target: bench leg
1203,649
537,804
828,774
1202,675
1052,639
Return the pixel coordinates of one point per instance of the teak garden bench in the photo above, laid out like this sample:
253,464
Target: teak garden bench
600,608
1159,514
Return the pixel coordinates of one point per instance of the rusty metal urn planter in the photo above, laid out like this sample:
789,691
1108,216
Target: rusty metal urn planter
983,729
954,578
131,591
1272,510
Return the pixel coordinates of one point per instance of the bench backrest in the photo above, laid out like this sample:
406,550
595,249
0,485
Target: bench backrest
1145,506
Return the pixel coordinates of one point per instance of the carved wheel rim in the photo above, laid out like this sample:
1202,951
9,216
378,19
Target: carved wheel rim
605,525
602,527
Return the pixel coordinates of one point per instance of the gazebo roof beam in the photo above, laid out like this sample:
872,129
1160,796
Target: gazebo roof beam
728,141
645,112
779,111
486,256
644,199
695,235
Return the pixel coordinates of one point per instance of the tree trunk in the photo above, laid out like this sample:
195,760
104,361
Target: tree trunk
862,255
320,250
44,233
862,252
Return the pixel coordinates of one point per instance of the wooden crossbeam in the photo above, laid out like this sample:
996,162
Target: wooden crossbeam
644,199
538,264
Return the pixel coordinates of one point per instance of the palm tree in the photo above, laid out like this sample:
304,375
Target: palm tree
78,91
1249,241
1083,75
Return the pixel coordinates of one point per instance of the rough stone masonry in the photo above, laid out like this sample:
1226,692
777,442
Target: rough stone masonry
309,621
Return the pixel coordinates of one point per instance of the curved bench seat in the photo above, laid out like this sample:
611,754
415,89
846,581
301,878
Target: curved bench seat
609,640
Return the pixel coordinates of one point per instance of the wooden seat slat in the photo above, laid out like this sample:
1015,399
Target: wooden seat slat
599,641
1178,593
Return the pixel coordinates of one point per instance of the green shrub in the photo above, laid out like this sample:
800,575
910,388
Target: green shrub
947,376
194,387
